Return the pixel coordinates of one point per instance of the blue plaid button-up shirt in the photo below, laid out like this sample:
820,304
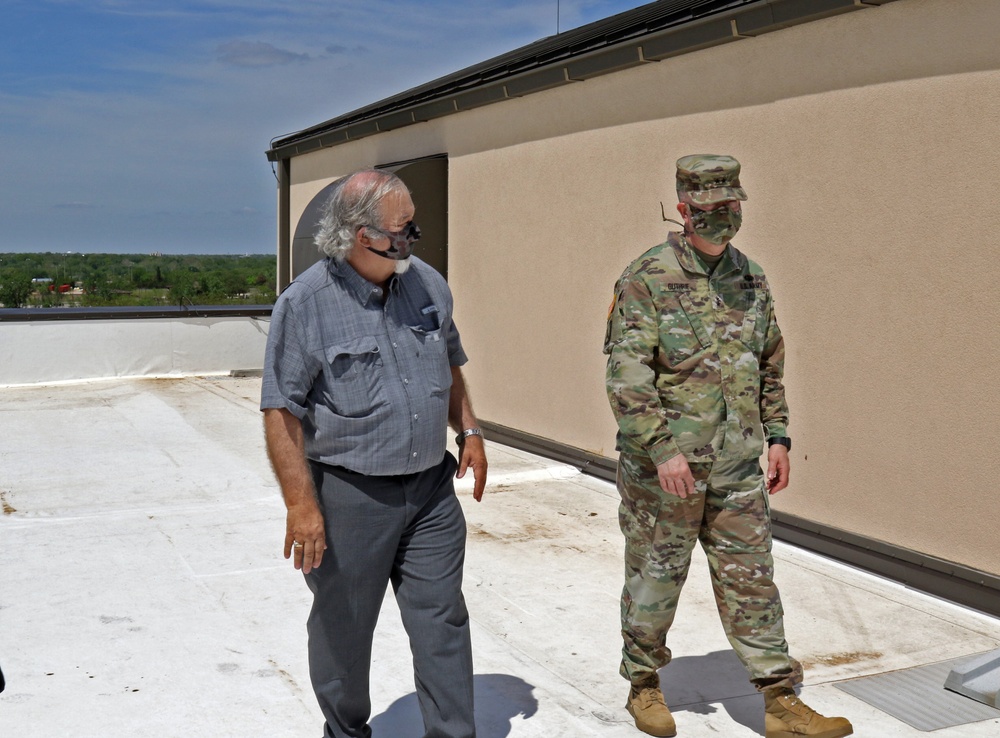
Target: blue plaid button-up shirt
370,382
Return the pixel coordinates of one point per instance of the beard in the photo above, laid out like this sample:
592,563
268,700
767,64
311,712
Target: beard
402,265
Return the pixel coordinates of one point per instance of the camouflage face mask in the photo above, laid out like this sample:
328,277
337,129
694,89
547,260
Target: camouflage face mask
400,242
716,226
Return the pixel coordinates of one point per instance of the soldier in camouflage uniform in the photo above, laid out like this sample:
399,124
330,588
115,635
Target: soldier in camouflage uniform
694,376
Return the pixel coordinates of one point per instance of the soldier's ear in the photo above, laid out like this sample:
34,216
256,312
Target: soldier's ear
682,208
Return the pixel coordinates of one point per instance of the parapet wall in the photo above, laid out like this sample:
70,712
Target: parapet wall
47,351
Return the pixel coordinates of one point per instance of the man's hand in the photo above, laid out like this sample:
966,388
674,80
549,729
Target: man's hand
472,452
777,468
305,535
675,476
304,527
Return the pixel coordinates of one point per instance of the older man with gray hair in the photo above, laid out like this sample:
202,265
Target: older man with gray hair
361,380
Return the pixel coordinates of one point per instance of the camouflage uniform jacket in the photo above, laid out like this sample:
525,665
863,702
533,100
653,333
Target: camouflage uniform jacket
694,361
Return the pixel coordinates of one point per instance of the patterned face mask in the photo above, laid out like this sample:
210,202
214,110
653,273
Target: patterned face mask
400,242
716,226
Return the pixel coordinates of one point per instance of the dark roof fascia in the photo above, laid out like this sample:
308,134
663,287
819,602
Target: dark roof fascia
648,33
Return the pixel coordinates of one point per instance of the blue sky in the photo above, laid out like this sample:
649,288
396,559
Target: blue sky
141,125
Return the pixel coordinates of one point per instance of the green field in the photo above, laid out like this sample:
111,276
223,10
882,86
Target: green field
99,280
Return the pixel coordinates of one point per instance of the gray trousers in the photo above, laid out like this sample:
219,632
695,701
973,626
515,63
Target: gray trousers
408,530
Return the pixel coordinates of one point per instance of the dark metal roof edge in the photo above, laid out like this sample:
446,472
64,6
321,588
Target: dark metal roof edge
587,461
613,33
949,580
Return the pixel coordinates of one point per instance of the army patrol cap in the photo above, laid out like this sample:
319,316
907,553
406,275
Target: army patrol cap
703,179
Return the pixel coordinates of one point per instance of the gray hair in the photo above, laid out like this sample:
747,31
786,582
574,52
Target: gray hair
354,203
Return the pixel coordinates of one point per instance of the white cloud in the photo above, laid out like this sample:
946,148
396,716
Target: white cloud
256,54
338,50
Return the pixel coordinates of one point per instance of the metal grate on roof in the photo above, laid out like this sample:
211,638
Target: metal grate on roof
917,697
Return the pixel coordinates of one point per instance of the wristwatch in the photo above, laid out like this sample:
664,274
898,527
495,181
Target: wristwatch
781,441
460,438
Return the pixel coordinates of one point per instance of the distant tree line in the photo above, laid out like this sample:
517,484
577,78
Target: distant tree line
99,280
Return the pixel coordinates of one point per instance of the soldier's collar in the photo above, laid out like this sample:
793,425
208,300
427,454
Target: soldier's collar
691,263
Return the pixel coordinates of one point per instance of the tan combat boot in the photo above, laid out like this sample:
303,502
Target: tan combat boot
786,716
646,705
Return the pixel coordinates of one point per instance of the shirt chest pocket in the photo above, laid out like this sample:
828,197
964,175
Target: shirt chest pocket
355,386
682,330
432,357
755,321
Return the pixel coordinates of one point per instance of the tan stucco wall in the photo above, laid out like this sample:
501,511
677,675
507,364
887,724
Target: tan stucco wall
869,149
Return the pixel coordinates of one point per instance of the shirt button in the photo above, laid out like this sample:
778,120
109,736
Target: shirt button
394,345
414,454
416,416
406,381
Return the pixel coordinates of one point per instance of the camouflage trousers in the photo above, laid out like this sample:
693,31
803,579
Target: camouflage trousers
730,515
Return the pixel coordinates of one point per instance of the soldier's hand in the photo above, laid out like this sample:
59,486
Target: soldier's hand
305,535
778,467
675,476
